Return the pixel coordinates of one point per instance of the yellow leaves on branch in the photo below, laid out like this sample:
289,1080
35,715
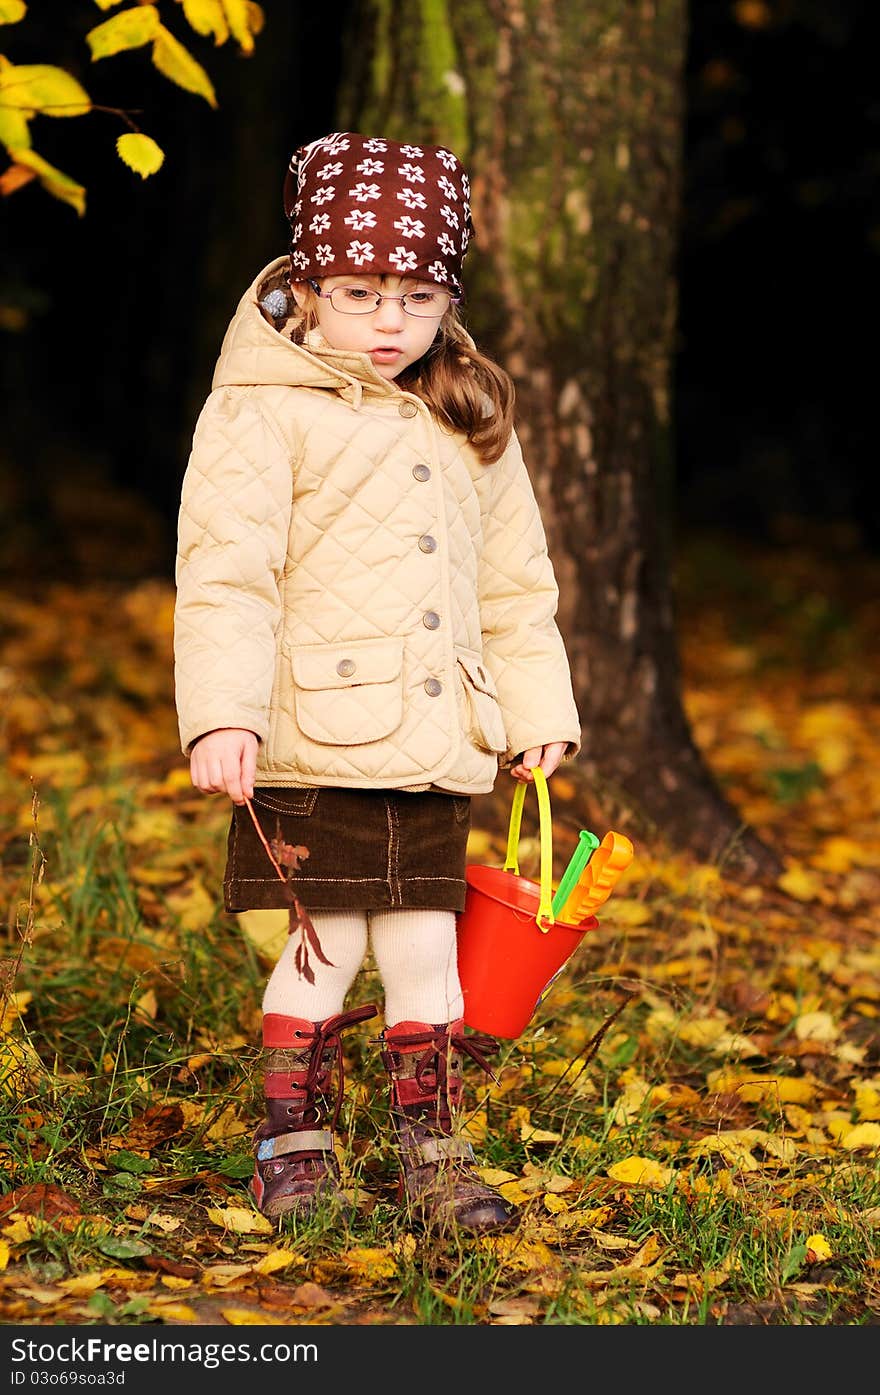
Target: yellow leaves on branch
27,165
221,18
30,88
143,25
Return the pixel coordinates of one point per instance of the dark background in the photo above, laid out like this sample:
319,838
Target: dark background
110,323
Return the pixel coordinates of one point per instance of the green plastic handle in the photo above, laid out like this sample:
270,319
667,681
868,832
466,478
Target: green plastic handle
586,846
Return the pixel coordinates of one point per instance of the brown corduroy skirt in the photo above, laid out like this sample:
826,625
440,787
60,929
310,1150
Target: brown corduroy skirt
367,850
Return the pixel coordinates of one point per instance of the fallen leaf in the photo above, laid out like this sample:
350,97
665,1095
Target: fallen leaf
644,1172
240,1220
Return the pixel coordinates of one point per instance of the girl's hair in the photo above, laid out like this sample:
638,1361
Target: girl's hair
464,388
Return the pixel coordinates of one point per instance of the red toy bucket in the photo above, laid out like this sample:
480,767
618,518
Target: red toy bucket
509,945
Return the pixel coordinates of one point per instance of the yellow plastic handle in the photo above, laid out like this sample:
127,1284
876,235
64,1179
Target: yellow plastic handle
545,917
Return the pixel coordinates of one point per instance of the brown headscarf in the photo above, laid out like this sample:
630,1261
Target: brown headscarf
368,204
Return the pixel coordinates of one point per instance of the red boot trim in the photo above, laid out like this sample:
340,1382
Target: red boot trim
279,1030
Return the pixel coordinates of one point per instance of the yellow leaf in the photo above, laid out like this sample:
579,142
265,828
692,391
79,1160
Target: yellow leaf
555,1204
207,17
173,1281
266,930
172,1311
627,912
5,1252
131,29
61,768
861,1136
532,1135
511,1191
702,1031
11,11
39,87
82,1283
816,1026
140,153
16,1006
240,1220
239,23
243,1317
14,128
817,1248
643,1172
839,854
194,906
867,1094
370,1263
799,882
494,1176
276,1259
177,64
147,1005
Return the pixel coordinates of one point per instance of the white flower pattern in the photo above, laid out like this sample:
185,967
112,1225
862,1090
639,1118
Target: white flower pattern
412,152
330,171
445,243
375,146
360,252
447,187
320,223
450,215
363,191
414,174
324,195
324,253
410,227
404,258
369,167
413,198
360,218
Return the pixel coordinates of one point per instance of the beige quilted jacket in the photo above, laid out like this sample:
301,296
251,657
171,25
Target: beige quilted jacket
353,585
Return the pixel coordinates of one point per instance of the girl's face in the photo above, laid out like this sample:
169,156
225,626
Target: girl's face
392,338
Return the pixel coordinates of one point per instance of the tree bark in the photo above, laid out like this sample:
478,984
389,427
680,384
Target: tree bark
569,118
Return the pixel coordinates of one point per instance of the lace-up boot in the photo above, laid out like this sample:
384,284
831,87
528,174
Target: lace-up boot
295,1164
437,1178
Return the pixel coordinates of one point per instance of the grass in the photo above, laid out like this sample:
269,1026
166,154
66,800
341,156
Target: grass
722,1037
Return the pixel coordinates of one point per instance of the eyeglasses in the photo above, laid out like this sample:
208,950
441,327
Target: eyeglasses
360,300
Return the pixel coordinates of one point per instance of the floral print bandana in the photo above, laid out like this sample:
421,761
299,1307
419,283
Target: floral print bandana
367,204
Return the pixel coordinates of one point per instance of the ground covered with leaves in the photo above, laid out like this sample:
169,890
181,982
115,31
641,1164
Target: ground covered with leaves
689,1126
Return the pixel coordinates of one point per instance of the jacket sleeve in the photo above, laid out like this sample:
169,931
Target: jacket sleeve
522,645
232,543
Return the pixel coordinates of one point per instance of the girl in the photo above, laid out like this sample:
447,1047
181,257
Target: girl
364,632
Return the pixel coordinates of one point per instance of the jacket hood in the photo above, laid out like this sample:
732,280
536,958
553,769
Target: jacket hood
257,350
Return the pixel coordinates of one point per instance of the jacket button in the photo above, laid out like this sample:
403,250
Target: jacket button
431,620
421,472
427,543
408,409
433,687
345,668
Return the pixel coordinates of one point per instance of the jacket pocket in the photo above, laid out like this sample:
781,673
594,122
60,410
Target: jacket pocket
348,693
484,723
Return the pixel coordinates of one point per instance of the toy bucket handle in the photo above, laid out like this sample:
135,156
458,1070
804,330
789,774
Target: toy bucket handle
545,917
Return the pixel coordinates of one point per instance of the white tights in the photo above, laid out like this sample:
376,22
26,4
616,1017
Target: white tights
415,954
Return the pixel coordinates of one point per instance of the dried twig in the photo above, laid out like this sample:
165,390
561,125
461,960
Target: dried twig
300,922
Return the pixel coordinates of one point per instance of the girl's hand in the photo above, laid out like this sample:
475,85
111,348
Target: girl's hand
225,762
547,757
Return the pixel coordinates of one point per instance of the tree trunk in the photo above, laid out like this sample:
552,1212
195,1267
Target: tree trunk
569,118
